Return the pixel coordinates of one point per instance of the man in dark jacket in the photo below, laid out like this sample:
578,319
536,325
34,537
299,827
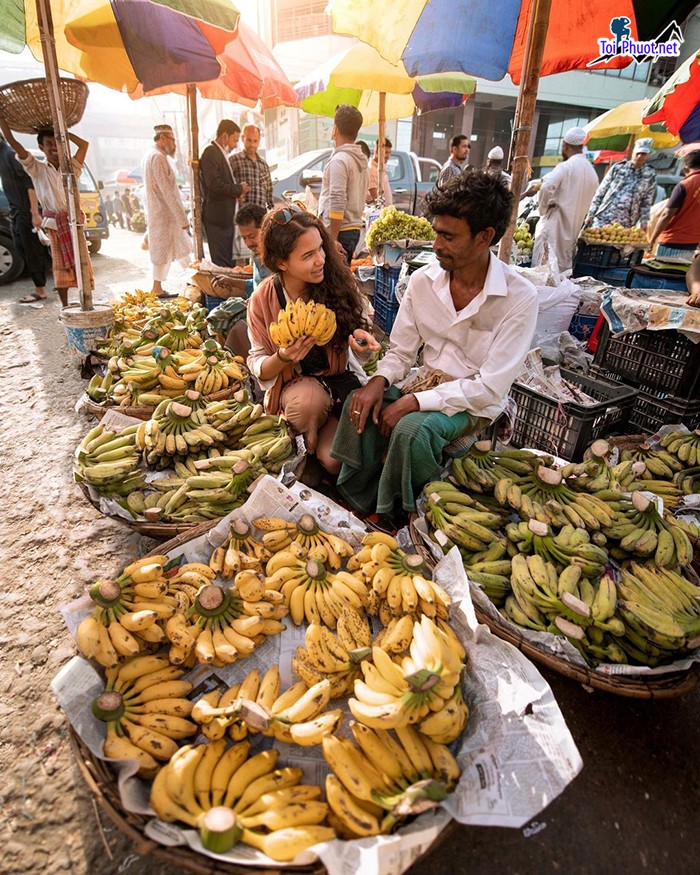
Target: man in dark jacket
220,191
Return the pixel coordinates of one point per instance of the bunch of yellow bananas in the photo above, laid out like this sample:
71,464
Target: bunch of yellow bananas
394,694
310,590
384,773
642,531
303,319
230,797
321,546
126,613
224,625
177,427
395,581
326,657
239,551
145,709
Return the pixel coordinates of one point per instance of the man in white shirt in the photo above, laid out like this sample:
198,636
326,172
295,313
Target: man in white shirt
474,317
565,196
374,190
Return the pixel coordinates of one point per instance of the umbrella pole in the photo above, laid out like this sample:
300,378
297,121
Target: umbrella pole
380,140
195,188
524,113
70,183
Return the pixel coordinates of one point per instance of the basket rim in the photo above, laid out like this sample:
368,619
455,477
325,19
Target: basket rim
666,686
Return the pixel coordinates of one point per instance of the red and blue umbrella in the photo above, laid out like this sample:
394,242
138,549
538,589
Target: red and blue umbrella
678,102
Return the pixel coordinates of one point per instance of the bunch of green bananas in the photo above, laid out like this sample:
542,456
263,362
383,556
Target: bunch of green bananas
224,488
179,337
684,445
234,415
661,611
642,531
567,604
689,480
463,520
491,569
230,796
269,438
544,495
660,463
99,387
177,427
109,461
480,468
569,547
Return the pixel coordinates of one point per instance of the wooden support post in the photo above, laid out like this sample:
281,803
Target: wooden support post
80,249
524,113
380,139
195,187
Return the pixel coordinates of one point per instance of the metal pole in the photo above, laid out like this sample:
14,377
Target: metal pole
195,188
48,46
524,113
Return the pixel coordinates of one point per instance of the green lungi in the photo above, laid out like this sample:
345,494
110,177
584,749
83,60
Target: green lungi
376,472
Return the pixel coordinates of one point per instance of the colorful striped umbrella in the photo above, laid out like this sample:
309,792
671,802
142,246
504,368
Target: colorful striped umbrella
614,129
487,38
121,43
359,74
678,102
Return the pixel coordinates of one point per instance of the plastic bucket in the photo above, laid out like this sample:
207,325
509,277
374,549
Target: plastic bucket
85,327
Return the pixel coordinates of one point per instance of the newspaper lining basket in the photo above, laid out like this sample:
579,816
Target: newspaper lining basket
26,108
666,686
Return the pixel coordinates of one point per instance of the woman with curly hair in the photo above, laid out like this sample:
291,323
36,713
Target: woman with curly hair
307,384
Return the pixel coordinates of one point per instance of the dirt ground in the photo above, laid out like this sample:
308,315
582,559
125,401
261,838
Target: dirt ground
633,808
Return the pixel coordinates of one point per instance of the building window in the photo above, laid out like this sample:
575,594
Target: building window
301,20
634,71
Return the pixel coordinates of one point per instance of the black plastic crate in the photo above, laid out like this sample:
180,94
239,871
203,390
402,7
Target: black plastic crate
649,414
606,256
567,428
660,361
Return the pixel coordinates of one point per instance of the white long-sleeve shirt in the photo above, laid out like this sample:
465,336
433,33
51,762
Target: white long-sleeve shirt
48,184
482,346
565,196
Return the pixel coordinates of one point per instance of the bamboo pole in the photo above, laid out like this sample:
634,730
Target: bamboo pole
195,187
80,250
380,141
524,113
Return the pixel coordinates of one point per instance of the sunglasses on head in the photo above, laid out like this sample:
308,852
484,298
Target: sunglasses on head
286,214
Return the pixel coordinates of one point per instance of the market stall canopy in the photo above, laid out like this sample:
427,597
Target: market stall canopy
614,129
487,38
359,74
121,43
678,102
249,73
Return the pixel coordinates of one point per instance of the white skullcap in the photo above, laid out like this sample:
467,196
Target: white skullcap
644,145
496,153
575,137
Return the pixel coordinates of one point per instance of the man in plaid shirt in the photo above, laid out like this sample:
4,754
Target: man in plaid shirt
249,167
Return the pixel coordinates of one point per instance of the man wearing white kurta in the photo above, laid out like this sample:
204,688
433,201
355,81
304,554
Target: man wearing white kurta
565,196
474,317
168,239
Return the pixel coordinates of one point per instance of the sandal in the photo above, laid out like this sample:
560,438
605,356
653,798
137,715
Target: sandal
32,299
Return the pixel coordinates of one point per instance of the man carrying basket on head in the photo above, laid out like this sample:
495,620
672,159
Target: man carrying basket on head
48,184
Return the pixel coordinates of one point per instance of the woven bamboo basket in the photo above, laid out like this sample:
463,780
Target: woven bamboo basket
99,410
101,782
26,108
667,686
